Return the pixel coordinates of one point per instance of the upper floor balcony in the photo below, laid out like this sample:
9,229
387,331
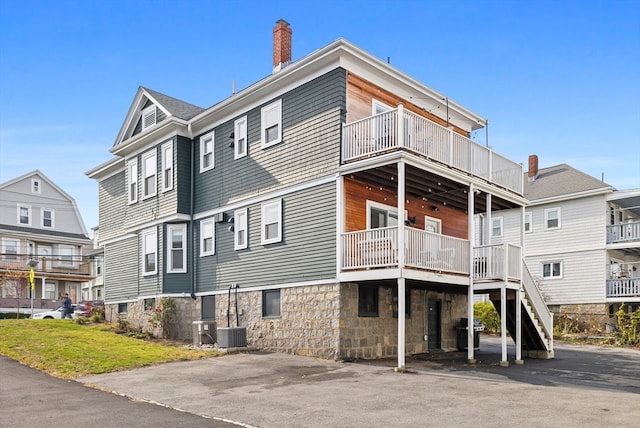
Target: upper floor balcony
401,129
43,266
623,233
428,251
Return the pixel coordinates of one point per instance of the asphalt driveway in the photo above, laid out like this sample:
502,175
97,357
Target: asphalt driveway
584,386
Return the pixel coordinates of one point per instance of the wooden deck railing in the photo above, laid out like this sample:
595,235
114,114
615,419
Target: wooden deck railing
396,129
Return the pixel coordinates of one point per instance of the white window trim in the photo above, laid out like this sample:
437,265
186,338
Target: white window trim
146,113
391,211
203,139
183,229
143,235
29,215
546,218
6,243
63,248
36,186
167,156
132,180
551,271
263,211
203,236
237,135
53,216
378,107
145,174
501,232
240,225
528,218
277,105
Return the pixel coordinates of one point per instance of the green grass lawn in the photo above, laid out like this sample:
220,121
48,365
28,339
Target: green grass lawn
68,350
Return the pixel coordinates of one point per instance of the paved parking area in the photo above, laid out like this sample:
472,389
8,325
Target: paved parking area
584,386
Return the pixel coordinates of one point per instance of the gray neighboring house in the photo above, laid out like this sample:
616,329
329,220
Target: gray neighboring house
94,289
582,242
304,213
40,227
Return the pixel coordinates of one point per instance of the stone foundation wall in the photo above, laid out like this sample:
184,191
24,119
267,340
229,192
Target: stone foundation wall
377,337
308,322
138,317
320,321
588,317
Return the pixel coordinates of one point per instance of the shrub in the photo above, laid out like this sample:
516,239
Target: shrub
164,316
628,325
486,312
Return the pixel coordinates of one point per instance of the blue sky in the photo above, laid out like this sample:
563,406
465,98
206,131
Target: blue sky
560,79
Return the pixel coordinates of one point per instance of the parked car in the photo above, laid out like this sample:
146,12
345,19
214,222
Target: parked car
77,312
91,304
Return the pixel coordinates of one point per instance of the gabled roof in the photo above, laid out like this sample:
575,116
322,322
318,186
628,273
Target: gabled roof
174,106
562,181
169,106
44,178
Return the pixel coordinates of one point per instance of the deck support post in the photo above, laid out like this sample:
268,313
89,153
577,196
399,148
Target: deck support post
471,233
401,258
503,324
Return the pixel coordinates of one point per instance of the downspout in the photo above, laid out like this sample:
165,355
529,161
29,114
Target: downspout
191,209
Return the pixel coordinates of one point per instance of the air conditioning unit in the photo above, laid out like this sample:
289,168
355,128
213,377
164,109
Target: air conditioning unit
204,333
232,337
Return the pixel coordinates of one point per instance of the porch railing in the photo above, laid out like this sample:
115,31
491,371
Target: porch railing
370,248
380,133
436,252
623,232
53,264
376,248
623,287
497,262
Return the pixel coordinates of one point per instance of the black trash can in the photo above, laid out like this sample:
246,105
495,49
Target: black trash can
461,335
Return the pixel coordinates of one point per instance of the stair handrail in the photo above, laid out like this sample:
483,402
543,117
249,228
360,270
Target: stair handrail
538,304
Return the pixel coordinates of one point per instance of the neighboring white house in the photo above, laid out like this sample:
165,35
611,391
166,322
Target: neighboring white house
582,242
94,289
40,227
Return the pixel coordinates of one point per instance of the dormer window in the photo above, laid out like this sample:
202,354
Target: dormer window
149,117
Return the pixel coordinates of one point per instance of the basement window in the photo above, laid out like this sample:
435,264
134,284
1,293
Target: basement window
368,299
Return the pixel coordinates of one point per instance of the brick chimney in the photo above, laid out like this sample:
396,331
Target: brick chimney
533,168
281,45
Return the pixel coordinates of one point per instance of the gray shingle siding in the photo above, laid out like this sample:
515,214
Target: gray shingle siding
182,173
112,193
310,147
121,270
307,252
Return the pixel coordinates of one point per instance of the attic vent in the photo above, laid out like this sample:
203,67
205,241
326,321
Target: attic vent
148,117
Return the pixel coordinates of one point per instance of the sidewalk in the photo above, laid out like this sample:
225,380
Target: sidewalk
584,386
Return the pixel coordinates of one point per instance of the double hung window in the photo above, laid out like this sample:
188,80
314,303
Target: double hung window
206,152
240,229
177,251
149,252
552,218
132,170
271,124
24,215
47,218
167,166
240,138
271,223
207,237
149,173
